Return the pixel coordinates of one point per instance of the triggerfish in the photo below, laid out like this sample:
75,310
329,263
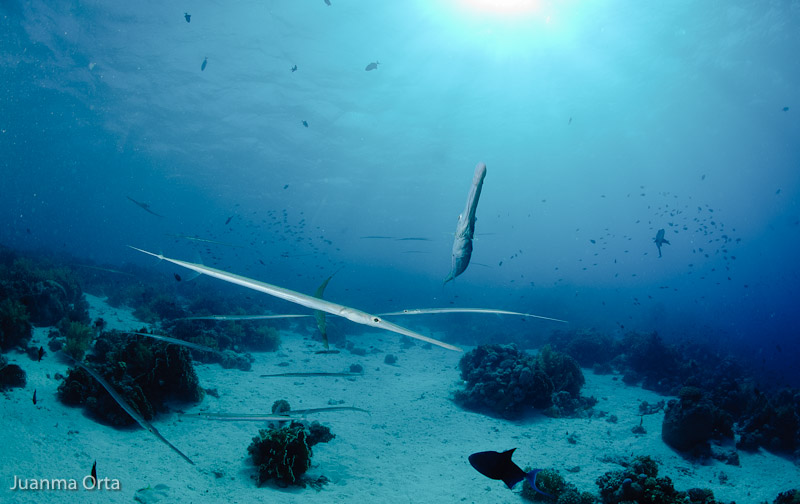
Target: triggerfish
465,229
498,466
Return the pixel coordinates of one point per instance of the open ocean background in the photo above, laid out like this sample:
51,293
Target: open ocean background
599,122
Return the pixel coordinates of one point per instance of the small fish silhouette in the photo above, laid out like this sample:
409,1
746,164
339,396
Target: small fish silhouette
328,3
34,397
41,353
177,277
372,66
205,62
294,68
305,123
188,17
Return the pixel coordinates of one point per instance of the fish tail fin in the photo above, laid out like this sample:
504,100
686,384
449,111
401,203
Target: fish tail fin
667,242
531,477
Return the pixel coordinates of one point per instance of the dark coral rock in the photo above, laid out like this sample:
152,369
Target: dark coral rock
691,422
318,433
145,372
12,376
390,359
788,497
563,371
502,380
233,360
772,422
285,453
639,482
589,348
261,338
281,406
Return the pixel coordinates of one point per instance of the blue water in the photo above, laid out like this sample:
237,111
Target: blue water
599,122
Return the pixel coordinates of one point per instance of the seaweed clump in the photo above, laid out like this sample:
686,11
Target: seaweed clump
284,453
504,381
146,373
78,338
15,326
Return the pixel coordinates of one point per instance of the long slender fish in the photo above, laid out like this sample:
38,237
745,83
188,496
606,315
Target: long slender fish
351,314
310,373
176,341
258,417
245,417
128,408
203,240
418,311
465,229
427,311
145,207
244,317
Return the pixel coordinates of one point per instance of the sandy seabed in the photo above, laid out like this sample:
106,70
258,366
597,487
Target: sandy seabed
411,447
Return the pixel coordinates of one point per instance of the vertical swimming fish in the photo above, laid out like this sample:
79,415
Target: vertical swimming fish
94,472
40,353
34,397
465,230
188,17
659,240
205,62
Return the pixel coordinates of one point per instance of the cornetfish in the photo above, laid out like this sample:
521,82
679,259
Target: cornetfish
465,230
352,314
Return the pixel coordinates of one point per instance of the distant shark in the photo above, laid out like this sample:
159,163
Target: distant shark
660,240
465,229
145,207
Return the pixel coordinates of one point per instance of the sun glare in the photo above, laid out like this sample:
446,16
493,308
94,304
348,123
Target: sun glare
501,7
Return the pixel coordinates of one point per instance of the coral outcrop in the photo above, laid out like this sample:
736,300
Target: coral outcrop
145,372
284,453
504,381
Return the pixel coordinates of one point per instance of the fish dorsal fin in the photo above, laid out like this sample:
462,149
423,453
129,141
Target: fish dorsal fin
508,453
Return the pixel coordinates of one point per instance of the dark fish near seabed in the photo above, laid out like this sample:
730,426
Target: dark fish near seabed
177,277
188,17
372,66
34,397
94,472
205,62
465,229
40,354
498,466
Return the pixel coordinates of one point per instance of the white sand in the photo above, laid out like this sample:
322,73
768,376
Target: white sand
412,447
